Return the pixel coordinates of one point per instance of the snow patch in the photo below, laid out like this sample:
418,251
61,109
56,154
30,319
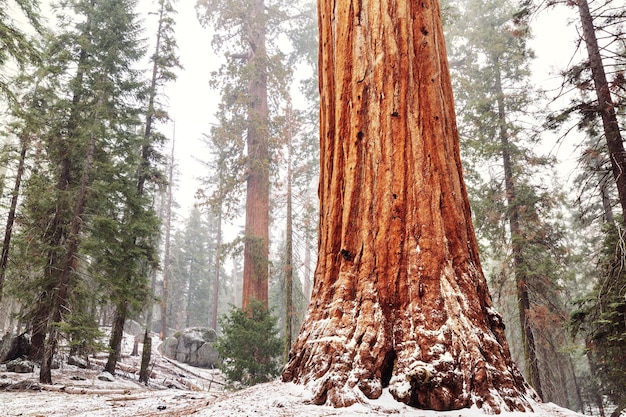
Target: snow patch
328,339
418,372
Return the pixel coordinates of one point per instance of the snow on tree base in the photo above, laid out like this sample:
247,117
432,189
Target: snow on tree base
277,399
274,399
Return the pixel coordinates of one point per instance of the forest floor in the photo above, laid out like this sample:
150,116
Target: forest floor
177,389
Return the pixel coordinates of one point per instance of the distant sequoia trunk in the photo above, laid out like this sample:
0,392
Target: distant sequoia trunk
399,298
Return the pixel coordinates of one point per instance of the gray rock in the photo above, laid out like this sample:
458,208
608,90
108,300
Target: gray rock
80,362
13,346
168,347
194,346
20,366
133,328
105,376
207,356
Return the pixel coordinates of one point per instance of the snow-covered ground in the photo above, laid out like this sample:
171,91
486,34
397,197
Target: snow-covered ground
177,389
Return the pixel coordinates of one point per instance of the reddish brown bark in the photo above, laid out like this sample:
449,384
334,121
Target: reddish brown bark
399,298
256,244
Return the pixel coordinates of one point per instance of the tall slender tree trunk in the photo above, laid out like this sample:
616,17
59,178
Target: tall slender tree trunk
606,107
256,244
289,261
517,243
218,267
579,397
399,297
8,231
308,284
166,248
236,283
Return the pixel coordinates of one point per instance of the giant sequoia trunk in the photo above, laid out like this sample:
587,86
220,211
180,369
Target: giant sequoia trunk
256,244
399,298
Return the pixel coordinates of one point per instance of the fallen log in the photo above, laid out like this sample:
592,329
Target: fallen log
212,381
82,390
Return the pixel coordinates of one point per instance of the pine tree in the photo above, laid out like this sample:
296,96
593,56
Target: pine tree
253,68
250,346
191,265
515,214
81,166
140,218
16,46
598,84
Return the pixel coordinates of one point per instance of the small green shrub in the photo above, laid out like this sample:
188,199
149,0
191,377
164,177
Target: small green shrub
250,347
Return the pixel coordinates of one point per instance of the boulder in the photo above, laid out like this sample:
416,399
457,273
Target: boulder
194,346
133,328
168,347
20,366
207,356
13,346
106,376
76,361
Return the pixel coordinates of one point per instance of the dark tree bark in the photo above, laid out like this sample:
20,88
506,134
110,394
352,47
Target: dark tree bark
520,264
115,341
144,372
606,107
8,231
399,297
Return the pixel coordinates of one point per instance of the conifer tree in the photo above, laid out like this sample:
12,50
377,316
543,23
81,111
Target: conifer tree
595,107
82,162
192,261
250,345
253,67
16,46
400,300
140,217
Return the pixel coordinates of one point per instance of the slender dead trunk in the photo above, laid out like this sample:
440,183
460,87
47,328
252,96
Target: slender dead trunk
606,107
8,231
237,298
256,244
517,243
399,297
579,396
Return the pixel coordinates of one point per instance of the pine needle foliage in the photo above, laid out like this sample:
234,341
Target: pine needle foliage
250,346
601,318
